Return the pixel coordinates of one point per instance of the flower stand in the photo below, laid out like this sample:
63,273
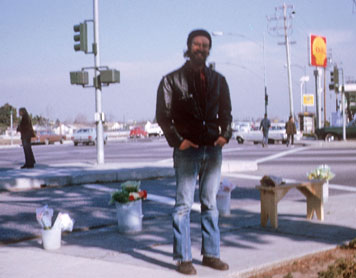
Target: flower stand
129,216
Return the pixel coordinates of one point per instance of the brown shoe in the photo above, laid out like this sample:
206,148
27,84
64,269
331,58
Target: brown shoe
215,263
186,268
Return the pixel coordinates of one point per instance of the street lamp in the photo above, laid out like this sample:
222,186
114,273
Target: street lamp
220,33
302,80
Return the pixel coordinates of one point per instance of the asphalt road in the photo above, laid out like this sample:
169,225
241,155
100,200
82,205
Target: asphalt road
292,163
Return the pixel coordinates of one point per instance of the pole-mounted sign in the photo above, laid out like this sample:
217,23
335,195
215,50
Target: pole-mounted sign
318,54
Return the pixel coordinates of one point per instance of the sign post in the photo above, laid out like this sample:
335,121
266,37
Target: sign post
318,58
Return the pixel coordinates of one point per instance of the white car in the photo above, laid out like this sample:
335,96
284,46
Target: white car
277,133
86,136
153,129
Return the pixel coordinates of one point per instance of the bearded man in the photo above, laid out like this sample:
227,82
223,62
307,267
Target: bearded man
194,111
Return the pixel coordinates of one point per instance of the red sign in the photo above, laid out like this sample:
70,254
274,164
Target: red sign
318,55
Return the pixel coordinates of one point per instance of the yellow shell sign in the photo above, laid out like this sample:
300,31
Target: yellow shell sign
318,56
308,100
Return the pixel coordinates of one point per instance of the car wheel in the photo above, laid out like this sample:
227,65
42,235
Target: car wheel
75,143
330,137
239,140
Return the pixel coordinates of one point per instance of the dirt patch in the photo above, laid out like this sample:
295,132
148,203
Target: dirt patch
336,263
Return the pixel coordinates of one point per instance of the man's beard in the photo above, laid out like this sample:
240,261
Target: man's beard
198,58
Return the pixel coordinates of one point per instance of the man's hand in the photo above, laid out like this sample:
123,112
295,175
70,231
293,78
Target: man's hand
221,141
187,144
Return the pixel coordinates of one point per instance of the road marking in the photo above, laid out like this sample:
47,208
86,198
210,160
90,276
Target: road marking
281,154
230,150
99,187
340,187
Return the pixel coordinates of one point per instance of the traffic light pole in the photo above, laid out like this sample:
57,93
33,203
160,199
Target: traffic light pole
98,95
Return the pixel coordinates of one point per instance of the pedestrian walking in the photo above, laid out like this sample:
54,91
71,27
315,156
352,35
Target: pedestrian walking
290,130
194,112
26,130
265,125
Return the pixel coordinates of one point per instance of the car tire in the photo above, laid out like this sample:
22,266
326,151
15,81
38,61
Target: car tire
75,143
331,137
239,140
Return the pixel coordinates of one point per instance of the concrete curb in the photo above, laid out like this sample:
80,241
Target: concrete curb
74,174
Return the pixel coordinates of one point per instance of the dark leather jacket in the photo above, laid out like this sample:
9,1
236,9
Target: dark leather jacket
181,116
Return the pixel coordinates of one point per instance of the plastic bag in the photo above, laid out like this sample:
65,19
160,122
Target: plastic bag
226,186
44,217
63,222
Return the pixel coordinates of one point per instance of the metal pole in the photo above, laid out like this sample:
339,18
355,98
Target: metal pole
264,73
343,107
324,97
11,128
316,74
320,89
301,96
98,96
288,61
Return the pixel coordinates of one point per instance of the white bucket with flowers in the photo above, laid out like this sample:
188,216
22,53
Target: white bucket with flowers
323,172
128,202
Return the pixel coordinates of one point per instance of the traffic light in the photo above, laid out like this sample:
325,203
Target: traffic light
81,36
332,84
334,79
79,78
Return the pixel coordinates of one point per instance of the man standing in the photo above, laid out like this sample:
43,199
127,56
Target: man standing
194,112
290,130
26,130
265,125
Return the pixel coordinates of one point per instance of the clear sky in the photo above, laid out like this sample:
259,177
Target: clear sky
146,39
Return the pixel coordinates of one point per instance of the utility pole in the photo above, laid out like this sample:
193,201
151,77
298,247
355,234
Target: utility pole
11,127
98,96
287,13
103,75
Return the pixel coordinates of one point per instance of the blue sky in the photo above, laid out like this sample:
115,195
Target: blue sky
146,39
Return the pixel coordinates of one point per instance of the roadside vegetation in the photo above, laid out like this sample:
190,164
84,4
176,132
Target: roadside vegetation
336,263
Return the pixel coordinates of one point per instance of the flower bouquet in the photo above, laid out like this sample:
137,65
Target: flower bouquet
128,202
129,191
322,172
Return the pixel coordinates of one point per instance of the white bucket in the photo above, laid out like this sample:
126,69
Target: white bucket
129,217
51,239
223,199
326,191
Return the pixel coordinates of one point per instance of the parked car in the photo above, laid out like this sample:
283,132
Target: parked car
138,132
47,137
332,133
153,129
86,136
277,133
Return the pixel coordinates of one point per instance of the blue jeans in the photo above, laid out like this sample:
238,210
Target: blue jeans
265,138
204,162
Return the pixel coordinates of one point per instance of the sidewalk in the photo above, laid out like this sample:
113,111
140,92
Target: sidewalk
100,251
245,245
